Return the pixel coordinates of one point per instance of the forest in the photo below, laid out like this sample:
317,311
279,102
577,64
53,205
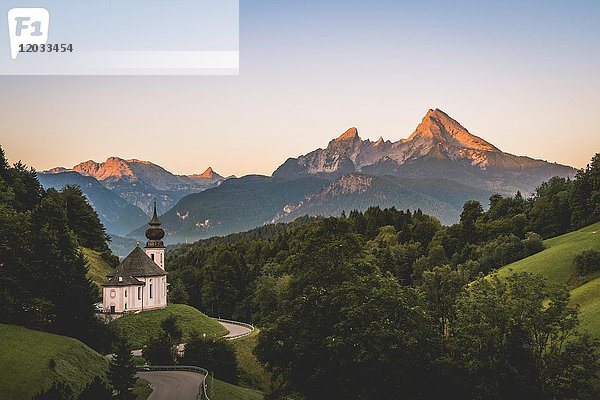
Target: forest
43,283
394,298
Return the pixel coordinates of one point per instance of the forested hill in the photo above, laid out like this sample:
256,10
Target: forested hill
43,283
360,294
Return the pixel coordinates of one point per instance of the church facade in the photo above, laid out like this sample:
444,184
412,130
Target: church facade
139,283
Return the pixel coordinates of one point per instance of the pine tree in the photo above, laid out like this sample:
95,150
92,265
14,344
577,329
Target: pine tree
62,269
83,220
96,390
58,391
121,373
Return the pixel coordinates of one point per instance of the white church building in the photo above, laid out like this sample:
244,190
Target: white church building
139,283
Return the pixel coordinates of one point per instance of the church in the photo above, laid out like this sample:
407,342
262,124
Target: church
139,283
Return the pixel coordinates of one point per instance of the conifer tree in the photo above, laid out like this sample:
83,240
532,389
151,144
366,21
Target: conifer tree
121,372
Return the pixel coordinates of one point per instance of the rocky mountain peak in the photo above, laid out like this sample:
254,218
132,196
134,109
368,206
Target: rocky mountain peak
113,167
209,174
437,127
350,134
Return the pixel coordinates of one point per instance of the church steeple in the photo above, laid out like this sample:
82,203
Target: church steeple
154,221
155,248
155,233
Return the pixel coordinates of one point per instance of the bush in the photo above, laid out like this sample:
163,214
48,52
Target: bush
499,252
216,355
588,261
533,243
162,350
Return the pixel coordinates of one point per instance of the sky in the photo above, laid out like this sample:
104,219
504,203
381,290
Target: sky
523,75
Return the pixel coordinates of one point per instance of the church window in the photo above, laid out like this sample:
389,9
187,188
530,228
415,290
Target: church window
125,292
152,256
150,288
139,293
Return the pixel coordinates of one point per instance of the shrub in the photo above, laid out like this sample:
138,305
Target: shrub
215,355
533,243
588,261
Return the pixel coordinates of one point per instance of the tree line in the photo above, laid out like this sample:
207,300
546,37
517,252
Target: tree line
43,283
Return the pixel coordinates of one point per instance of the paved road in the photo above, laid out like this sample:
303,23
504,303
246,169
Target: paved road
138,352
234,330
181,385
173,385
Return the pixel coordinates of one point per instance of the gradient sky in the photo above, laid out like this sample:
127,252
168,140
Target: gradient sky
524,75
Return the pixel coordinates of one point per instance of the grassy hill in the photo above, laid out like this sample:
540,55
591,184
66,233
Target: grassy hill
588,298
556,263
25,362
143,326
226,391
98,267
251,372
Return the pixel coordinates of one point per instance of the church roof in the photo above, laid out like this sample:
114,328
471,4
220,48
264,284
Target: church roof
137,264
125,280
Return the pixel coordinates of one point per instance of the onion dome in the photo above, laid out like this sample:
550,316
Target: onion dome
155,233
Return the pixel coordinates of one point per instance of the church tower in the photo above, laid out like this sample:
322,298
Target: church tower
155,248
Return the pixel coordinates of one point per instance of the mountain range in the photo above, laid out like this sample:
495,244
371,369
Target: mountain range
117,215
440,147
437,168
123,191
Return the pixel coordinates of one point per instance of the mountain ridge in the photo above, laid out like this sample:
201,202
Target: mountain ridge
436,169
117,215
438,139
116,167
140,182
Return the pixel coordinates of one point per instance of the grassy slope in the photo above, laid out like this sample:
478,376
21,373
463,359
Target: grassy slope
588,298
146,325
556,264
226,391
556,261
251,373
98,267
25,357
142,389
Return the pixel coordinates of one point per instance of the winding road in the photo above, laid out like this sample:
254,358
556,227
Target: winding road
235,330
183,385
173,385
